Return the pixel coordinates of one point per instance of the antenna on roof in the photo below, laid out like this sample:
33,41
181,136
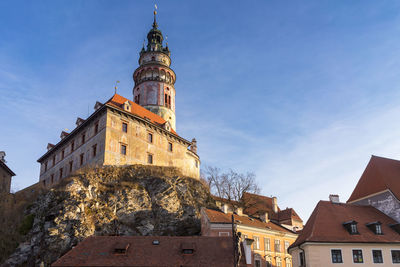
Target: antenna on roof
116,87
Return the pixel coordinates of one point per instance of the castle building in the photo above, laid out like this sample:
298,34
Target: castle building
5,174
124,132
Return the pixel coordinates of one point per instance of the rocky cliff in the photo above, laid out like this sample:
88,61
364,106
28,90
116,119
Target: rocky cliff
133,200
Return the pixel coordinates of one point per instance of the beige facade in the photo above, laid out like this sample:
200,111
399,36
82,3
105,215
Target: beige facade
320,254
114,136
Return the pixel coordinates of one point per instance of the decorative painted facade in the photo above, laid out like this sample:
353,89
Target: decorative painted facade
123,132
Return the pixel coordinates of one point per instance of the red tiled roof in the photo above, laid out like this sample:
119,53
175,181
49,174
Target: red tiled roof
379,175
224,200
117,101
326,225
100,251
219,217
254,204
288,214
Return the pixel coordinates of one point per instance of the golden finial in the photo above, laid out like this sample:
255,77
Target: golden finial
116,87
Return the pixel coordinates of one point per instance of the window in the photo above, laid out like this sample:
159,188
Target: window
223,233
336,256
277,245
269,264
396,256
45,166
54,160
72,146
267,244
354,228
301,257
83,137
61,173
377,256
94,150
287,244
124,127
257,263
256,242
150,159
288,264
123,149
81,159
279,264
357,256
70,165
150,137
96,128
62,154
196,163
52,178
378,229
170,147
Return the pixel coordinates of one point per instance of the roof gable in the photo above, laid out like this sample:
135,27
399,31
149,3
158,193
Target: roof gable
379,175
326,225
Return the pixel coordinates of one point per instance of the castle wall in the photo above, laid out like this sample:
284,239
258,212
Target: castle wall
139,148
82,148
5,181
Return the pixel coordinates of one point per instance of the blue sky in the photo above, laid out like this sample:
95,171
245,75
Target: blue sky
300,92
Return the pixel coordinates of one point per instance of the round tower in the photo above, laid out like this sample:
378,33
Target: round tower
154,79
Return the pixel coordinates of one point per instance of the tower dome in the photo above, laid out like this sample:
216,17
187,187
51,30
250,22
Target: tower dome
154,79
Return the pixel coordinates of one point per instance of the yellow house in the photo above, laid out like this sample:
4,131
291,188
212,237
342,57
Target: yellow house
270,240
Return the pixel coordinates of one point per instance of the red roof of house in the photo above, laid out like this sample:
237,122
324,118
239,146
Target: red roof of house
118,101
215,216
326,225
379,175
288,214
141,251
254,204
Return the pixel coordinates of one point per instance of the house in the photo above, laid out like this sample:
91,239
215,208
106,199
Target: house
339,234
152,251
379,186
269,239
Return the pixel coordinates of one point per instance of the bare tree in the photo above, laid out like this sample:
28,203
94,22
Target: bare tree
230,185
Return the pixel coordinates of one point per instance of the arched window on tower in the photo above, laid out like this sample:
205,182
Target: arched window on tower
148,73
162,75
153,58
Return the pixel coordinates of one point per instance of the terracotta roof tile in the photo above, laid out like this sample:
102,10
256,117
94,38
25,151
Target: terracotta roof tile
140,251
379,175
326,225
287,214
219,217
255,204
117,101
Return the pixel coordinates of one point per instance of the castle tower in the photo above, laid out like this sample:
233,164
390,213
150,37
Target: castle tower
154,79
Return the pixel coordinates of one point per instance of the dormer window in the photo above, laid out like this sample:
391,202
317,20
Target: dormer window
375,227
395,227
351,227
127,106
121,249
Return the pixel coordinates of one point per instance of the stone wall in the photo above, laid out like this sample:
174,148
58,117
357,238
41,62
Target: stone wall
139,147
5,181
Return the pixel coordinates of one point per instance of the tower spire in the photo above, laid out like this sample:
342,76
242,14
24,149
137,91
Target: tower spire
155,17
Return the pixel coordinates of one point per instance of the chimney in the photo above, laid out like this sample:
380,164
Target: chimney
2,156
63,134
334,198
264,217
274,205
239,211
97,105
193,146
225,208
49,146
79,121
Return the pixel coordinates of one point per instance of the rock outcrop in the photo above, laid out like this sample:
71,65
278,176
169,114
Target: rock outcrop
132,200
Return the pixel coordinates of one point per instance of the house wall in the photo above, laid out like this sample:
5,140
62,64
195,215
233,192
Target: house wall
85,148
385,201
138,146
5,181
318,255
